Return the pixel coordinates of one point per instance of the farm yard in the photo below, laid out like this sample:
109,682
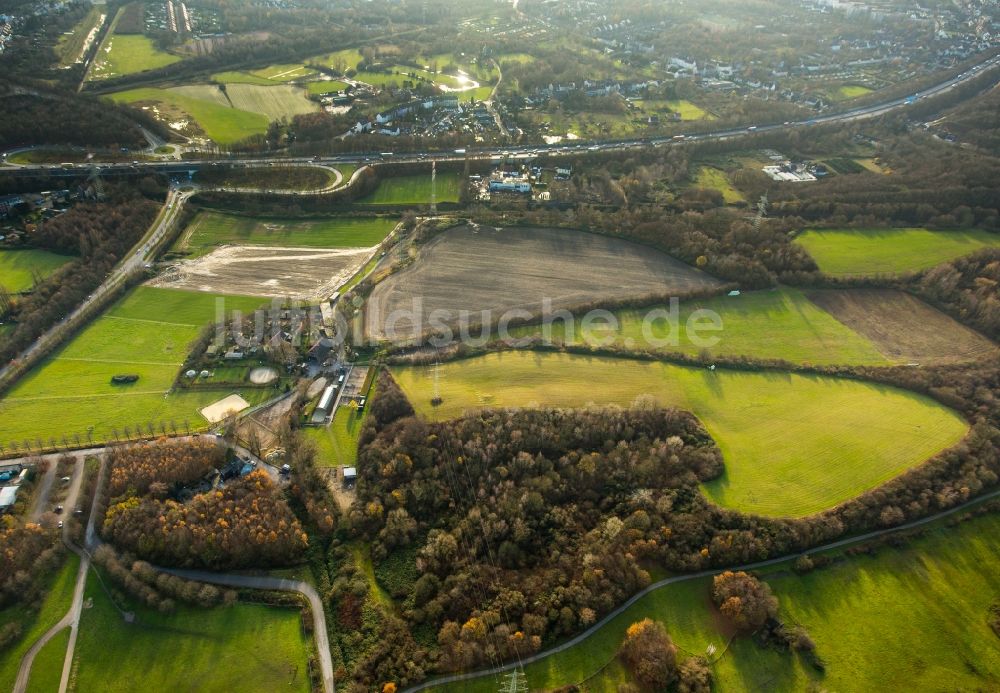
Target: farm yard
277,272
499,270
234,648
944,583
845,252
18,268
415,190
904,328
147,333
212,229
793,445
776,324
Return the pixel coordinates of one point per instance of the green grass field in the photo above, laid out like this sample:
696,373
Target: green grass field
54,606
247,647
843,252
212,229
850,91
284,73
793,444
17,267
912,618
337,444
778,324
46,670
326,87
277,102
344,59
235,77
147,333
415,190
126,54
218,120
713,179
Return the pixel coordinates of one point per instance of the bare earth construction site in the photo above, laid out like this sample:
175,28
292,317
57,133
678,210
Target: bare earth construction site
482,268
274,272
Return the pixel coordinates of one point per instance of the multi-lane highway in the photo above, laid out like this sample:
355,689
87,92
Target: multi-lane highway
516,151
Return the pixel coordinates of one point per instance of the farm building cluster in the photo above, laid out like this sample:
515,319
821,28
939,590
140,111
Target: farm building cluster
518,181
11,478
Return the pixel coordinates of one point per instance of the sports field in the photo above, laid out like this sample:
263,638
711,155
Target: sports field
54,606
843,252
18,267
212,229
326,87
415,190
910,618
777,324
217,119
713,179
147,333
126,54
247,647
793,444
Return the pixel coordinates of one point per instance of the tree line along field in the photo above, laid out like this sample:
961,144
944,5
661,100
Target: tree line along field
823,328
912,618
244,647
499,270
844,252
415,190
18,267
212,229
147,333
793,445
54,606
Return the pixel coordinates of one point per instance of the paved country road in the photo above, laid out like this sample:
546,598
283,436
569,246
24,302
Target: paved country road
72,618
458,678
